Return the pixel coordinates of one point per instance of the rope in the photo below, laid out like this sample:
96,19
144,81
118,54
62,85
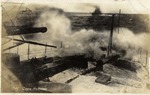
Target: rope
18,10
132,6
5,2
142,5
8,16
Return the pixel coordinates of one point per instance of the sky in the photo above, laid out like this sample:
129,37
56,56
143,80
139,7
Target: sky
106,6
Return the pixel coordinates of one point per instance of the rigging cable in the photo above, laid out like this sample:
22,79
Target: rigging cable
142,5
5,2
132,6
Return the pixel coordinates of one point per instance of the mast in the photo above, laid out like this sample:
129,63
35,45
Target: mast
119,19
111,35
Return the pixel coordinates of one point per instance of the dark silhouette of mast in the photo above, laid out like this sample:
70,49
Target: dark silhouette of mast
119,20
111,36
